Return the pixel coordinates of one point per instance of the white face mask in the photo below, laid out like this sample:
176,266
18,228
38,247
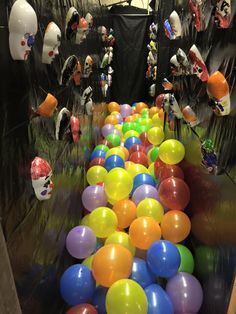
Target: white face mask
51,42
82,31
72,23
23,26
175,24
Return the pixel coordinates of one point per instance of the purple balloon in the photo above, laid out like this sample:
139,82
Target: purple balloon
81,242
107,129
185,293
117,132
125,110
93,197
119,117
144,191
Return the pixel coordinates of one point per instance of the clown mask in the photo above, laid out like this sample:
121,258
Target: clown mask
51,42
41,173
81,31
23,26
170,104
190,117
173,28
223,13
72,22
198,65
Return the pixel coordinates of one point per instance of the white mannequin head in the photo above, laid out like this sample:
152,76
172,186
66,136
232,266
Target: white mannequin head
51,42
23,26
81,31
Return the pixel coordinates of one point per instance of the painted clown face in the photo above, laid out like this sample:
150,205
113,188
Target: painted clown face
172,26
41,173
198,65
23,26
81,31
51,42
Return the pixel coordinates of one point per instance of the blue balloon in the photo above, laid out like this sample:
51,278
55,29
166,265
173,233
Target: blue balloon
77,284
97,154
158,300
143,178
141,273
99,299
163,258
132,140
114,161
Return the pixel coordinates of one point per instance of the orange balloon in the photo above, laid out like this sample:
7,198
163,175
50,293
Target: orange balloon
112,262
125,211
136,115
113,106
153,111
144,231
175,226
140,106
125,151
161,114
129,119
111,119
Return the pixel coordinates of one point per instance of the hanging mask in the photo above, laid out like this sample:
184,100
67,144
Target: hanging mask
89,19
175,66
198,65
154,73
72,23
41,173
153,31
62,123
218,91
75,129
152,90
51,42
171,106
223,13
209,157
104,84
173,28
77,74
167,84
88,66
152,58
195,9
109,76
87,93
190,117
110,40
23,26
89,107
102,31
107,58
152,46
69,67
183,61
48,106
82,31
159,102
149,72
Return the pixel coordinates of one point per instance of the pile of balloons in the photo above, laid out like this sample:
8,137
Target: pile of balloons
132,235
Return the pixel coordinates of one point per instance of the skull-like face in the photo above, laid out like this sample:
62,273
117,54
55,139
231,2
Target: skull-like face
152,90
88,63
72,23
81,31
41,173
51,42
23,26
102,31
89,19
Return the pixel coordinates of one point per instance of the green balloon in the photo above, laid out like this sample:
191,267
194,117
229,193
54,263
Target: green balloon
114,139
127,126
154,153
144,128
187,261
102,147
137,127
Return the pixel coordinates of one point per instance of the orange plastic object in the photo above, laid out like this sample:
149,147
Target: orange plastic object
47,107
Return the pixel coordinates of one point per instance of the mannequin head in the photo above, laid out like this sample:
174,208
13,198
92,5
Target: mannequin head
23,26
199,67
41,173
88,63
75,128
89,19
77,74
48,106
72,22
81,31
51,42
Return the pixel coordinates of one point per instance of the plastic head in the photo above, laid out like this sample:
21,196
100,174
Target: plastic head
102,31
88,63
198,65
48,106
175,24
175,66
77,74
51,42
190,116
41,173
23,26
75,128
89,19
62,123
81,31
72,22
160,101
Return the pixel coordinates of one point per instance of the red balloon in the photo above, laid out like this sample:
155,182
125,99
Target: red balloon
106,142
137,148
159,101
98,161
139,158
158,164
168,171
144,138
82,309
174,193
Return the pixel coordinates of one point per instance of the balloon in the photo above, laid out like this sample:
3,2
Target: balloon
144,139
85,221
103,221
143,178
107,129
125,110
155,135
117,132
81,242
150,207
129,119
147,122
127,126
175,226
144,191
111,119
88,261
168,171
139,158
113,106
187,261
99,299
163,258
174,193
135,169
158,300
132,141
154,153
119,117
185,293
121,238
125,151
118,184
82,309
130,133
151,170
125,211
114,139
111,263
137,148
119,127
114,161
126,296
156,120
97,154
96,174
94,196
144,231
103,147
158,164
171,152
105,142
141,273
137,127
116,151
96,162
140,106
153,111
77,284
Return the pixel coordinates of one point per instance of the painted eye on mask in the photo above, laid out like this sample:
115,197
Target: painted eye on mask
30,40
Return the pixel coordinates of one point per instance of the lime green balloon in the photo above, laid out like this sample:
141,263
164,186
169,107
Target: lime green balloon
102,147
155,135
154,153
122,238
171,152
88,261
131,133
114,139
144,128
187,261
127,126
103,222
151,170
137,127
85,220
147,121
149,207
139,120
126,296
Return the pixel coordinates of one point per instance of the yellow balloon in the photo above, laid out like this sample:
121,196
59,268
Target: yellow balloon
88,261
155,135
115,112
151,170
103,222
147,121
149,157
130,133
118,184
96,174
118,127
149,207
135,169
115,151
171,152
156,120
121,238
85,220
126,296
